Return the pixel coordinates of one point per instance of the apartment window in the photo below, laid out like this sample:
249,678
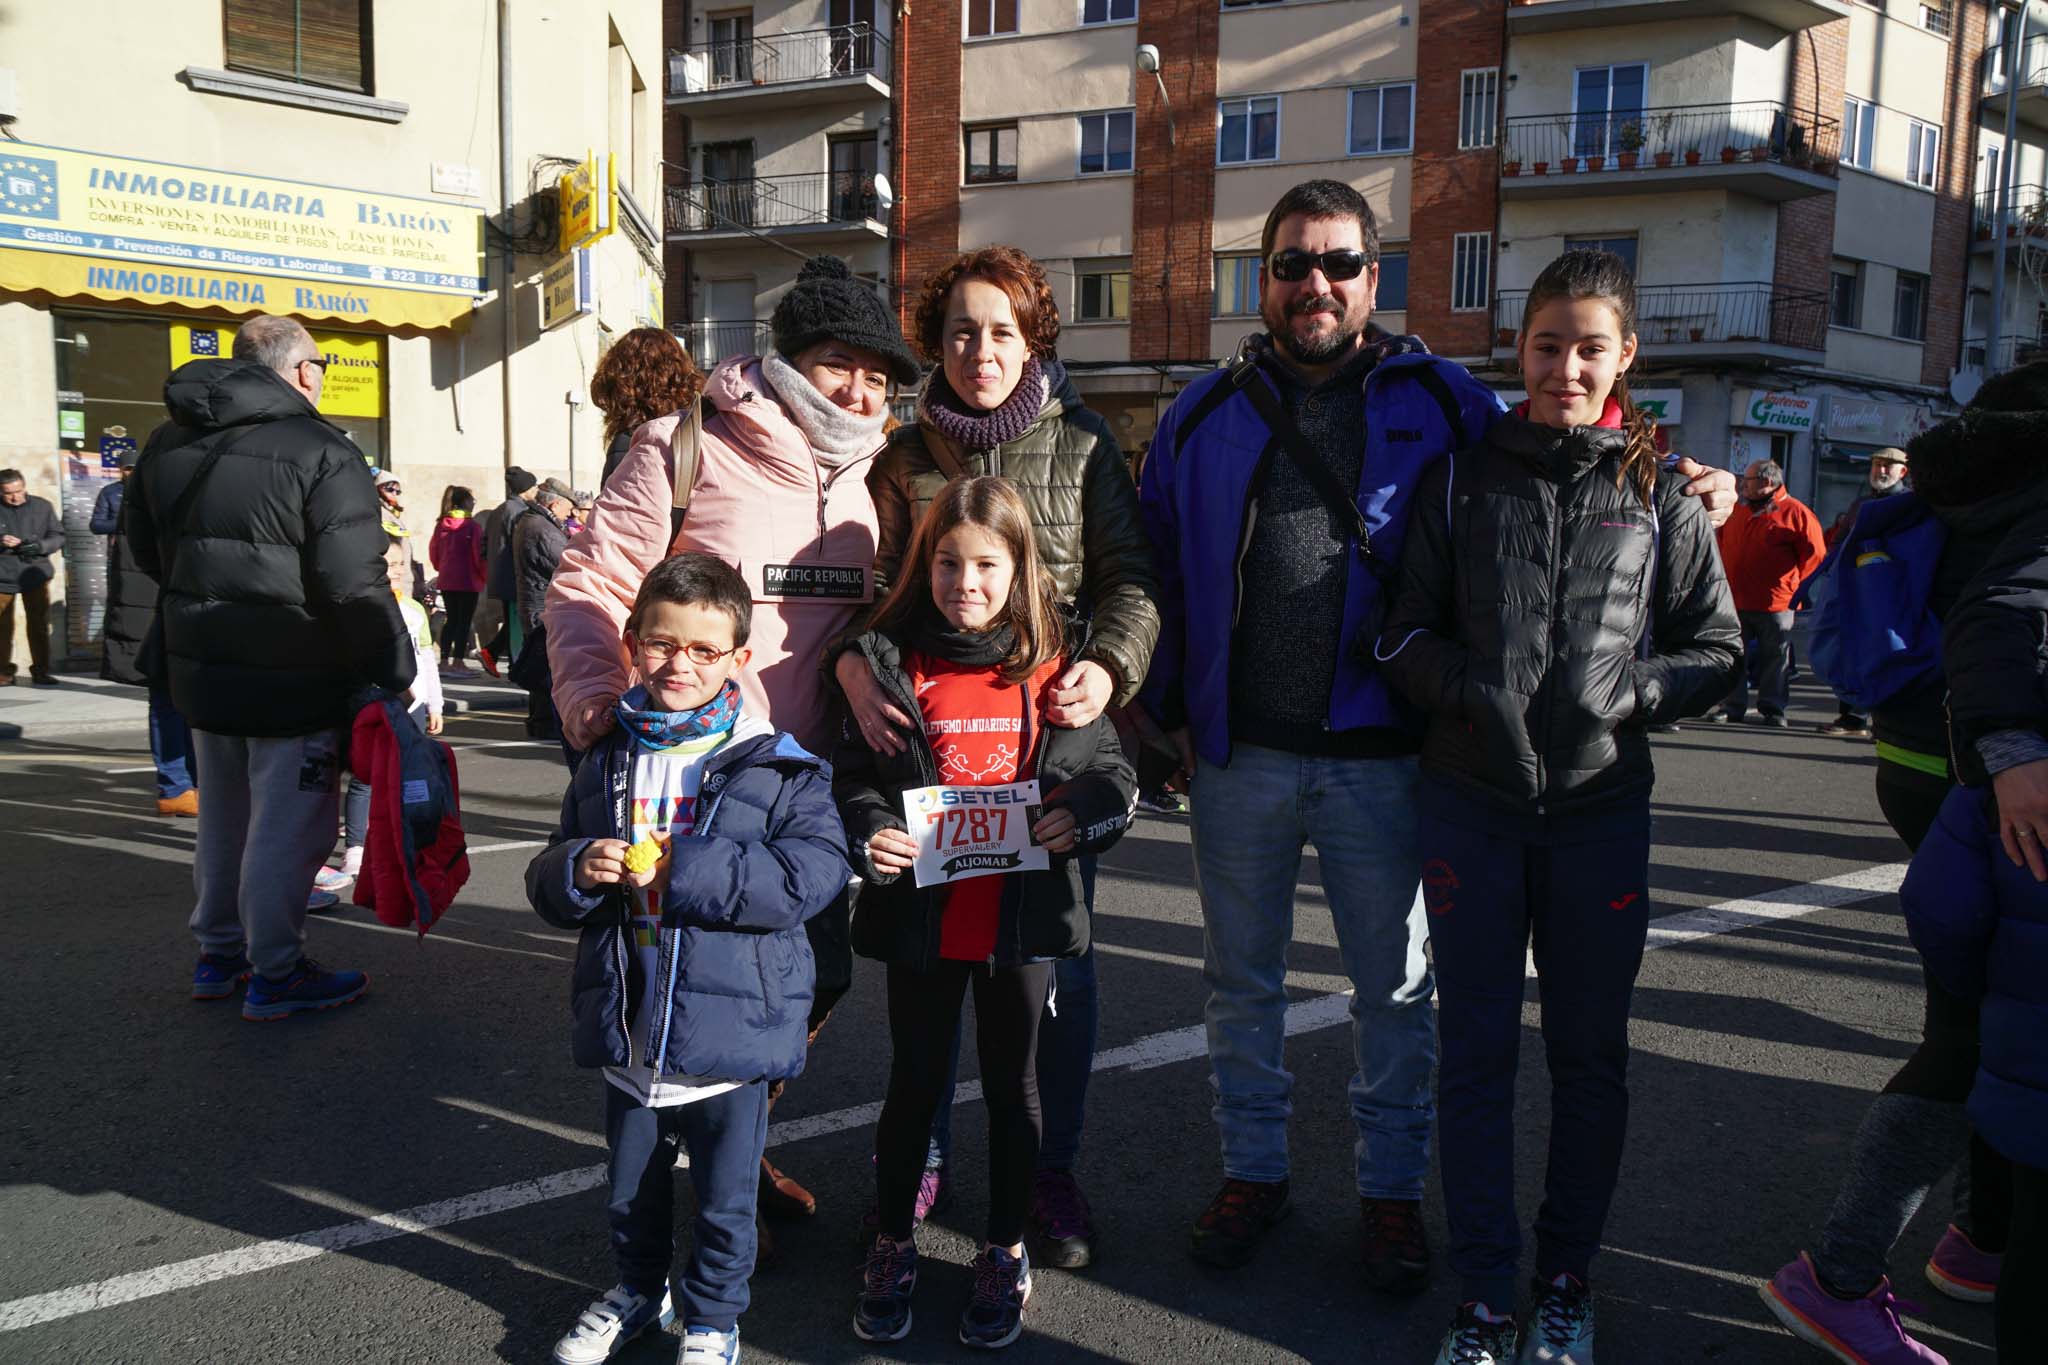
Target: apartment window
1923,141
1471,271
986,18
316,42
1478,105
732,47
1106,141
1102,290
1237,287
992,154
1934,18
1909,307
1845,294
1382,119
1624,247
1859,131
1248,130
1606,100
1108,11
1393,291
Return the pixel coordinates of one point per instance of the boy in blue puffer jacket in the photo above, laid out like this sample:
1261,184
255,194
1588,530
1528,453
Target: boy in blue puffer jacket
695,841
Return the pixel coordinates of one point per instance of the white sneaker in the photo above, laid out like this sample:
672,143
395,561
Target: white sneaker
609,1323
709,1346
332,879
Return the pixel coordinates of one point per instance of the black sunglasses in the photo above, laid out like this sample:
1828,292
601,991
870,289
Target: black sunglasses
1293,265
320,361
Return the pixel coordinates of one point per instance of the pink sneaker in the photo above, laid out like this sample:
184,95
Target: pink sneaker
1958,1269
1863,1331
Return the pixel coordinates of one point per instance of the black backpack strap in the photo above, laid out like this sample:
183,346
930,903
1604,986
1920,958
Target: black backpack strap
1281,424
1242,373
1441,392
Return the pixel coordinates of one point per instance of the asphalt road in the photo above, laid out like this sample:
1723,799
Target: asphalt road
178,1185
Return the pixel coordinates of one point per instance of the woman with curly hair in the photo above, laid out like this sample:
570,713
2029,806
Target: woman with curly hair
646,374
1001,403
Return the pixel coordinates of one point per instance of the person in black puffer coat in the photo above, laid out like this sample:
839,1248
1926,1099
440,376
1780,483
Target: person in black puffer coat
1558,595
538,539
131,606
258,519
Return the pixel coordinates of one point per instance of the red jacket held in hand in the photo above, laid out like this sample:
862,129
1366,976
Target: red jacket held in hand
1768,553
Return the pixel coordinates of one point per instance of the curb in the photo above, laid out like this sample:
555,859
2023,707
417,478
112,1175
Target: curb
12,731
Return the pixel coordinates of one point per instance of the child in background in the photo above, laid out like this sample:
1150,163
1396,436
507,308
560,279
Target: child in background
970,640
1559,595
694,976
424,706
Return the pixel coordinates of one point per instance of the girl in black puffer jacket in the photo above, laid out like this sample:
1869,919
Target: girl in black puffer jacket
1558,595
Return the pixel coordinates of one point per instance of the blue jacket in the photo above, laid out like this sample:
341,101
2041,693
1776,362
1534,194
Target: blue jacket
1197,503
1981,925
768,854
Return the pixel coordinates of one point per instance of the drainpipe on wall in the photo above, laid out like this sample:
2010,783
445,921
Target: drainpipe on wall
506,321
2015,52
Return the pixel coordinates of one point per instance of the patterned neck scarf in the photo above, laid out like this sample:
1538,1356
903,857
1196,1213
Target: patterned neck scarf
658,730
974,429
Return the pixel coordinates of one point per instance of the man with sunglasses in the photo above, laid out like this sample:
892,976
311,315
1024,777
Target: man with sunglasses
259,520
1275,496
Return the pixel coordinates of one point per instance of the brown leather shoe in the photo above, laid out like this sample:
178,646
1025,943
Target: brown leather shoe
1393,1245
764,1244
783,1197
185,803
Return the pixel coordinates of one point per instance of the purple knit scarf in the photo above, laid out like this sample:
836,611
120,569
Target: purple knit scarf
975,430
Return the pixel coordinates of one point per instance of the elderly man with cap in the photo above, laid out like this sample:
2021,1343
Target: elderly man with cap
780,481
495,622
1769,546
538,539
1887,476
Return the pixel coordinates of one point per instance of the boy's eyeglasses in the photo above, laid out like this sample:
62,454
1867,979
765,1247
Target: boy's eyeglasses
661,651
1293,265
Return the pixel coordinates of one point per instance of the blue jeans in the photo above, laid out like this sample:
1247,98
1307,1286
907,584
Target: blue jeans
724,1136
355,813
1066,1058
170,744
1250,820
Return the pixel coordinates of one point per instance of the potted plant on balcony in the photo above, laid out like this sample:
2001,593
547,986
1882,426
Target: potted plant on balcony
1596,161
1567,164
1504,339
1699,334
1692,156
1663,155
1629,137
1511,161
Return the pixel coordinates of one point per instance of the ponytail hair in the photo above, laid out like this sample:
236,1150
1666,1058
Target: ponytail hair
1602,275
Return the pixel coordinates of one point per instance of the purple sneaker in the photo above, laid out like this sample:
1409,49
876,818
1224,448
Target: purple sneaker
1059,1211
934,1195
1958,1269
1863,1331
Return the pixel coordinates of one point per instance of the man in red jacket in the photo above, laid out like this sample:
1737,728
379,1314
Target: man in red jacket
1771,543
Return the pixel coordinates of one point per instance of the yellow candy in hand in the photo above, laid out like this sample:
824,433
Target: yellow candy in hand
642,856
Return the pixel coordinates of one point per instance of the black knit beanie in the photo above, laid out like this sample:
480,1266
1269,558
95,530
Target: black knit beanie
517,481
828,303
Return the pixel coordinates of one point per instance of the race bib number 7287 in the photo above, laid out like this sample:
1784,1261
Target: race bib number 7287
964,832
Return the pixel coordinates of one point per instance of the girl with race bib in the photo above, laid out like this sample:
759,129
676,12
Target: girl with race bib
970,641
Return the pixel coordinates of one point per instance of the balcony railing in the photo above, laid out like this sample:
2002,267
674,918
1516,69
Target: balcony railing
2011,352
774,201
2033,64
1748,314
2026,214
1649,140
816,54
710,342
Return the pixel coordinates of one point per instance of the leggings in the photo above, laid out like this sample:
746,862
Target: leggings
2023,1278
924,1015
461,607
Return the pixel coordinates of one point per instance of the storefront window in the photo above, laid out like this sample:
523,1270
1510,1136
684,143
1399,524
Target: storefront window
118,365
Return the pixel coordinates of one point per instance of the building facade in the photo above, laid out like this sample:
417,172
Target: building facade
1802,186
345,165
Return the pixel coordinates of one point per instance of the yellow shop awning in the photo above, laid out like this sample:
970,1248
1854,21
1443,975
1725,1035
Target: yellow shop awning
96,225
190,287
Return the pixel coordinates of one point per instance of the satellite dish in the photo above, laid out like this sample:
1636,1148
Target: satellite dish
1963,385
885,193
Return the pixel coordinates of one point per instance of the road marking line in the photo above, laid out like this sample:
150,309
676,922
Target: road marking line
1159,1049
506,848
441,938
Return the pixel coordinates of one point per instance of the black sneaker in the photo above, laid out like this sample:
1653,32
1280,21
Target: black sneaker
883,1313
1229,1230
994,1316
1393,1245
1060,1214
1473,1340
1560,1326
